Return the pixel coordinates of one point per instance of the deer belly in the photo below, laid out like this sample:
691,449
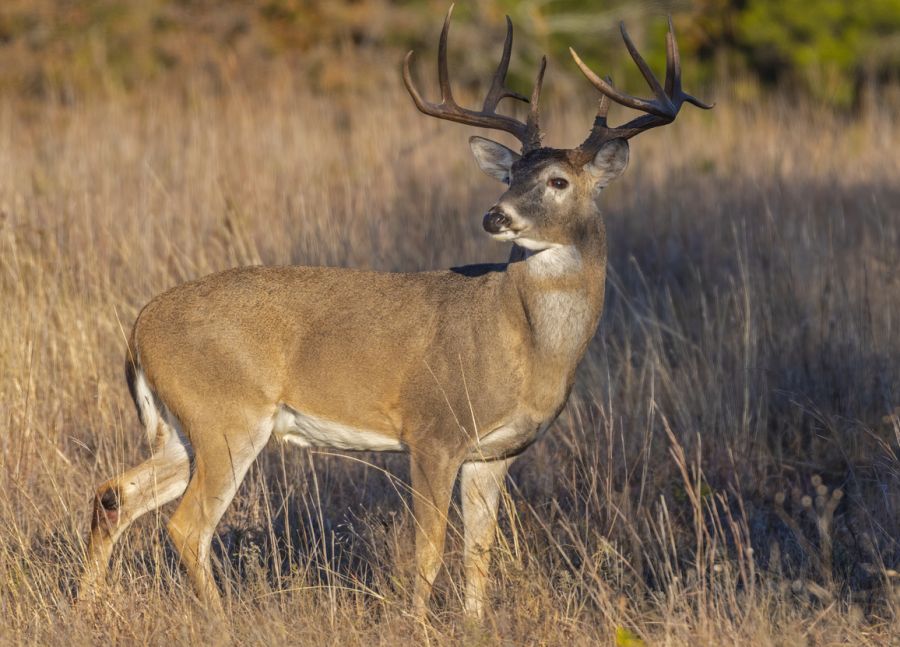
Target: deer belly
307,430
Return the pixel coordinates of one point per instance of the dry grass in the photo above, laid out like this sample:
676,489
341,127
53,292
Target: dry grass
727,471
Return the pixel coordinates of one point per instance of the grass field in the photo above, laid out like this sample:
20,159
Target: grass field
727,470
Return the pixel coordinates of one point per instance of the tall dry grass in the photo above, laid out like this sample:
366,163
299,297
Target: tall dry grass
727,470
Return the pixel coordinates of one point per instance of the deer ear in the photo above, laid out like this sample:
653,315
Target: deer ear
494,159
609,162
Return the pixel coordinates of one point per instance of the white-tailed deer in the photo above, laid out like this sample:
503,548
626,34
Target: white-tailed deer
462,368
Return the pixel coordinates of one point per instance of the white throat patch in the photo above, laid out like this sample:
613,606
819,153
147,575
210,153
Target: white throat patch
557,260
560,316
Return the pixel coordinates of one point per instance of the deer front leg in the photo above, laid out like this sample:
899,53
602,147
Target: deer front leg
432,476
480,488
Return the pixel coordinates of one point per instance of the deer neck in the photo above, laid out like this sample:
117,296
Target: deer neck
561,292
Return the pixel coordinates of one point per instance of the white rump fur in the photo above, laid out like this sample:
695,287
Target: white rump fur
146,402
160,424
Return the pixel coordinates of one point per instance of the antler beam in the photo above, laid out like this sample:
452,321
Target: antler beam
528,133
661,110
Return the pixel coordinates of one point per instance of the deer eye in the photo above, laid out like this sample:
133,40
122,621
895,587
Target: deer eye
558,183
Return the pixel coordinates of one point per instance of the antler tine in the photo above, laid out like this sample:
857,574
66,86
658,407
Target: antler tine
603,105
647,73
443,72
599,130
536,90
659,111
527,133
603,108
420,103
619,97
694,101
498,89
673,62
532,126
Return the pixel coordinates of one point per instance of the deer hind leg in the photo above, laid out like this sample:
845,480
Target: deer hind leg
224,449
121,500
432,484
481,485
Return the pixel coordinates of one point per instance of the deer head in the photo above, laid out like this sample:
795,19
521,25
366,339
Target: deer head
553,190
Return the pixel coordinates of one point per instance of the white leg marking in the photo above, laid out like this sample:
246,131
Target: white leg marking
481,485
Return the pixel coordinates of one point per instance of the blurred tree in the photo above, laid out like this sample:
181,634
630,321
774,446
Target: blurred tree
831,49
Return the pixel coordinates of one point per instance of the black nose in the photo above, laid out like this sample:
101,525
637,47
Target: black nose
495,221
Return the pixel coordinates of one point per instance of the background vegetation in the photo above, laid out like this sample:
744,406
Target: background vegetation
728,468
835,51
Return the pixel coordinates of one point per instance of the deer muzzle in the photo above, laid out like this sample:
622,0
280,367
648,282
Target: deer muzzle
496,220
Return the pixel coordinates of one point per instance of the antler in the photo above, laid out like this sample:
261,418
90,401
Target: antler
528,133
660,111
